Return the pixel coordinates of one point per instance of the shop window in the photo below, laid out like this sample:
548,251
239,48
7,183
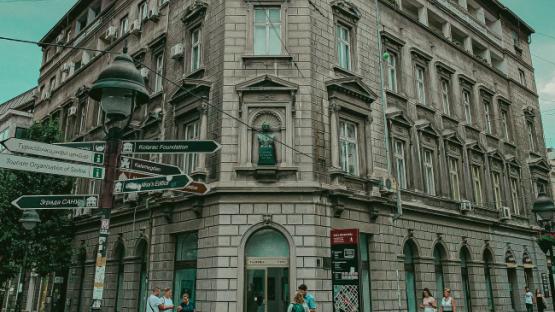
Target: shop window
143,278
488,268
409,252
365,273
267,31
120,254
465,278
185,266
440,255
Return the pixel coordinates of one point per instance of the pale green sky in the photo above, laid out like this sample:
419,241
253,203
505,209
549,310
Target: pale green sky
31,19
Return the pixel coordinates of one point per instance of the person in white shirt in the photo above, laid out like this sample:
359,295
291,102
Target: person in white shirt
153,302
166,301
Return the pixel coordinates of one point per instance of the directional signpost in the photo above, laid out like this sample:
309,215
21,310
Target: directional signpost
96,146
147,167
56,201
50,166
152,184
176,146
53,151
194,187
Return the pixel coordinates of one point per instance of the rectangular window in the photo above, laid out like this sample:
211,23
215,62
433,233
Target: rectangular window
343,37
454,178
467,107
159,72
487,116
83,115
195,49
267,31
392,72
428,164
496,179
522,77
514,196
185,266
477,184
52,83
348,144
400,163
143,11
191,131
531,136
445,95
365,273
4,135
420,85
123,26
505,124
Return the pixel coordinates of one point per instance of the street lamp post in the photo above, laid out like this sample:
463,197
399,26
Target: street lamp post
118,89
544,209
29,220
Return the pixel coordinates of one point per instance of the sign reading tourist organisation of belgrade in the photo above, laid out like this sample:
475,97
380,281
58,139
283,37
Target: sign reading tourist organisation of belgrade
175,146
96,146
53,151
50,166
56,201
148,167
160,183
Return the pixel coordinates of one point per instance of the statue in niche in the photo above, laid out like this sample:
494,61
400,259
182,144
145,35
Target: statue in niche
266,147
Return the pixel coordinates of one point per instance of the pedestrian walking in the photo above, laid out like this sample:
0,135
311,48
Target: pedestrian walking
166,301
298,304
448,303
528,299
540,302
153,302
186,305
429,303
308,298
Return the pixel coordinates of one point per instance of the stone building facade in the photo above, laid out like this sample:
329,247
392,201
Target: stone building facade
415,122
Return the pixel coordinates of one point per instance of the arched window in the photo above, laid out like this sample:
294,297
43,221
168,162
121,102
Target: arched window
143,278
267,271
440,255
410,254
488,263
119,253
465,259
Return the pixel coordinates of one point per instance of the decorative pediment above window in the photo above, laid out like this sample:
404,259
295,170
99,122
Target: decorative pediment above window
494,154
346,9
426,127
390,39
191,88
194,12
452,137
475,146
352,86
485,90
465,80
82,91
267,88
529,112
502,100
539,166
444,68
423,56
397,116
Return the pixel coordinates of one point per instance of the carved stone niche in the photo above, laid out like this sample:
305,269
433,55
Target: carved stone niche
266,100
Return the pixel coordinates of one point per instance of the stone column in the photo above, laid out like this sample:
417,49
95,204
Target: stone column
334,132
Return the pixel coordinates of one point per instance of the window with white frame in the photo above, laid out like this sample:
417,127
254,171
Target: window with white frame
487,116
522,77
159,60
476,183
52,83
343,37
467,103
505,124
348,144
454,178
392,71
195,49
400,163
515,195
143,11
496,181
445,96
123,26
191,131
420,74
267,31
531,136
83,115
428,164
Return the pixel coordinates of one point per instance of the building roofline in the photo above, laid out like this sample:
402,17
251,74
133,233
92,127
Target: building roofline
63,21
513,15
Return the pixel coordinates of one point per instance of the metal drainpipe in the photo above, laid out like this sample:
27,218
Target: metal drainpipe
383,99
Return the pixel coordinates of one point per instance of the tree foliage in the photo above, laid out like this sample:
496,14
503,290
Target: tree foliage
48,245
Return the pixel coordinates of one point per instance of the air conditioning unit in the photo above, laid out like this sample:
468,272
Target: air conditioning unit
388,185
144,73
154,14
465,206
505,213
85,58
177,51
111,33
66,67
72,110
135,27
131,197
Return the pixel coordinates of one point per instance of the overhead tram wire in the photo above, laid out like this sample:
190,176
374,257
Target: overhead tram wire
164,78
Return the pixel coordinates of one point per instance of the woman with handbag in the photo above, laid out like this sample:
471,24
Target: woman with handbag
429,303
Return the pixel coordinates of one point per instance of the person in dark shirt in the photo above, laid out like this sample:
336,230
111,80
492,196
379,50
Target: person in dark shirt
186,305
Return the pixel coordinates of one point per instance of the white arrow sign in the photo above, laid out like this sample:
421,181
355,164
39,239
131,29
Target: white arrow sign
53,151
50,166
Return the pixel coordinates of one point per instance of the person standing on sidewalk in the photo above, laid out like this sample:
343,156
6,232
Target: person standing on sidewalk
153,302
166,301
540,302
529,299
308,298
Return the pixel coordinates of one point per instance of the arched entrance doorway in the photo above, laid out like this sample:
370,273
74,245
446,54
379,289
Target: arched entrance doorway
266,271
